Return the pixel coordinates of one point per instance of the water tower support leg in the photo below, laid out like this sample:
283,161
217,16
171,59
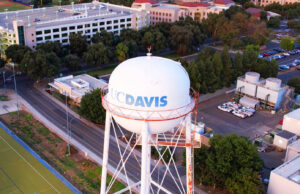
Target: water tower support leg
145,174
105,152
189,162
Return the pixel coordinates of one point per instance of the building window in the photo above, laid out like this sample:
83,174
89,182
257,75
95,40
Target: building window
56,30
39,39
32,40
47,31
116,27
47,37
65,40
87,25
109,28
101,23
56,36
102,29
108,22
64,35
95,24
128,25
122,25
79,27
72,28
95,30
64,29
87,31
122,20
128,19
116,32
116,21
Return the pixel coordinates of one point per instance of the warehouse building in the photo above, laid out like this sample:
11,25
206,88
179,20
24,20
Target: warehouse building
291,122
35,26
286,178
269,92
292,151
284,138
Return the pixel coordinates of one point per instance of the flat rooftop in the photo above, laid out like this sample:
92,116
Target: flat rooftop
285,134
60,15
294,114
290,170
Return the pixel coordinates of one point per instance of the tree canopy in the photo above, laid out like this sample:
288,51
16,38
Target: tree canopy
295,82
231,162
91,107
287,43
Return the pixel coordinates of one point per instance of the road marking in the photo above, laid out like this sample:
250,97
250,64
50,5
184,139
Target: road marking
29,164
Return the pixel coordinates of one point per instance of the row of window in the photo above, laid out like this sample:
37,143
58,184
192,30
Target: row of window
160,19
160,13
88,30
81,26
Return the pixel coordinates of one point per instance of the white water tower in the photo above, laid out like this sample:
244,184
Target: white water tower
150,96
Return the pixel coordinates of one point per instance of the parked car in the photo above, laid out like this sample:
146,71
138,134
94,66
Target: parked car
276,57
297,61
239,113
278,50
292,65
224,108
284,66
260,56
280,69
286,54
298,68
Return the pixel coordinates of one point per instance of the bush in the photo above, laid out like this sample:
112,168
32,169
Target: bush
295,82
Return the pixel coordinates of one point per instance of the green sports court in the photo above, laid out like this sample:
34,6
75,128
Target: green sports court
22,172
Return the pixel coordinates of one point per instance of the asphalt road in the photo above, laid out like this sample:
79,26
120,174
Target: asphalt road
91,137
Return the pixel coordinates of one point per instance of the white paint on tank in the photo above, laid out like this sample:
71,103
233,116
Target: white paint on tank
149,84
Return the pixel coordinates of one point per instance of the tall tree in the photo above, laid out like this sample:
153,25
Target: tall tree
16,52
91,107
97,54
217,62
287,43
78,44
227,67
238,65
122,52
72,62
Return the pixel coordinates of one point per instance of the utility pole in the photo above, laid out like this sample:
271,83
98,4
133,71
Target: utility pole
15,82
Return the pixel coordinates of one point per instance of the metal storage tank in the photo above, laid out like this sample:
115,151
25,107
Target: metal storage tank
252,77
149,87
273,83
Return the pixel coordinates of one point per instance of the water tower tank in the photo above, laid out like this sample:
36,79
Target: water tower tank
151,87
252,77
273,83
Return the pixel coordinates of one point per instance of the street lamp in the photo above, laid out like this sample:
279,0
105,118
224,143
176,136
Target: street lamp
16,91
69,135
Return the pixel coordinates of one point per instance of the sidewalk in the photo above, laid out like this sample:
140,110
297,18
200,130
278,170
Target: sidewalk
10,105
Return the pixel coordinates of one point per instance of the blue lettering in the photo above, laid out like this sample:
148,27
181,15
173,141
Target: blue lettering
156,101
129,99
149,102
139,101
163,101
118,95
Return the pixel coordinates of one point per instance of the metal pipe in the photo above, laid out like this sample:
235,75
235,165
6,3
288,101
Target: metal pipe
189,164
105,152
145,174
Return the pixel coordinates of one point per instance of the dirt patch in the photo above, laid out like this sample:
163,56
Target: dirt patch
5,4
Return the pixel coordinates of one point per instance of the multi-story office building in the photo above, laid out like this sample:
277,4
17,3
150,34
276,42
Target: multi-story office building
164,12
32,27
267,2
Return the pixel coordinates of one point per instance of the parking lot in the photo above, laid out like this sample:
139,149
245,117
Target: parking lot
226,123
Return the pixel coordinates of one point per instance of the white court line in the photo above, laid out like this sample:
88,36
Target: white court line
29,164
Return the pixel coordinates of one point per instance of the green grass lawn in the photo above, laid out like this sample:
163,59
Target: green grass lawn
12,6
100,71
20,172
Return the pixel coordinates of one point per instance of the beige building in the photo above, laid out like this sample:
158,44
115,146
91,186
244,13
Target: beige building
291,122
292,151
75,87
285,179
267,2
165,12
